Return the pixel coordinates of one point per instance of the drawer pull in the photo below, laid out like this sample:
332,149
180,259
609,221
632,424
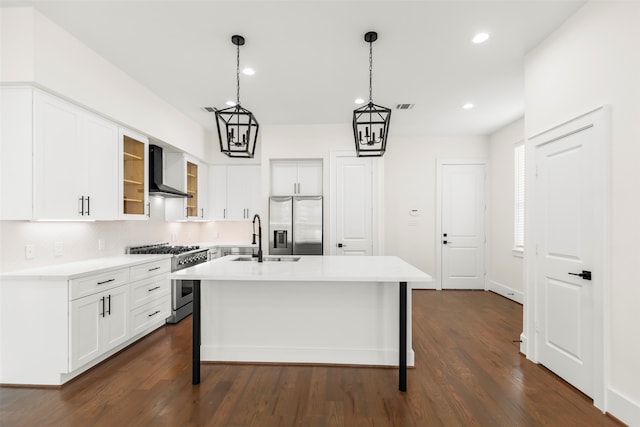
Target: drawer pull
106,281
153,314
155,268
153,289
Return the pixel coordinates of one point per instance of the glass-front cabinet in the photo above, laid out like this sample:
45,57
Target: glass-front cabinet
134,200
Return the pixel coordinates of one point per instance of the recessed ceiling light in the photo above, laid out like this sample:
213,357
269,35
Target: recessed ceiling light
480,38
230,103
467,106
359,101
248,71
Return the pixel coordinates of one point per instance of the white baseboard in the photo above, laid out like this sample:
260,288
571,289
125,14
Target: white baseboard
338,356
523,344
505,291
424,285
623,408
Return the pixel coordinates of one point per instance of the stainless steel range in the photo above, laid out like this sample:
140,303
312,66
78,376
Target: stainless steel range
181,290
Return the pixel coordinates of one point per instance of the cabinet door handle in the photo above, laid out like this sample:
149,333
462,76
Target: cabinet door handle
81,203
224,213
148,210
153,289
202,213
88,205
154,313
102,300
109,305
186,210
154,268
106,281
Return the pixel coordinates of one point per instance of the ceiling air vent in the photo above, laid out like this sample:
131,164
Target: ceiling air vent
404,106
209,109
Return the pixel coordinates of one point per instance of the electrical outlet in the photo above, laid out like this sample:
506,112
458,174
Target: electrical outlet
101,244
29,252
58,248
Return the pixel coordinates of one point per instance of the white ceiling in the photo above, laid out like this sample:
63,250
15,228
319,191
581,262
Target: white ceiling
311,60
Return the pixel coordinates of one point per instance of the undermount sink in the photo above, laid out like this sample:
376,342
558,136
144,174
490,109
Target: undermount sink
269,259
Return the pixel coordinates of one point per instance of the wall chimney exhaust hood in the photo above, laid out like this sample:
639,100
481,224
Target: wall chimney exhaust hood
156,186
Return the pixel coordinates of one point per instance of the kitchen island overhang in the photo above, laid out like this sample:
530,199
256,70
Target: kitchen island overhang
325,310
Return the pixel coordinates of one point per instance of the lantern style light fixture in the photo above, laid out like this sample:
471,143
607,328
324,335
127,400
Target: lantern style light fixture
371,121
237,126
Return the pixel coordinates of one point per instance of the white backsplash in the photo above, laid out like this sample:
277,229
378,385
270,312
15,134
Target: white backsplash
81,240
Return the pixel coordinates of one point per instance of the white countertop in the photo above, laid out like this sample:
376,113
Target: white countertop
227,245
77,269
308,268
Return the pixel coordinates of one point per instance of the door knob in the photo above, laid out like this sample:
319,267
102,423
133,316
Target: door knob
340,245
444,242
586,275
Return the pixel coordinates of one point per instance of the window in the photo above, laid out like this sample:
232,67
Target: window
518,163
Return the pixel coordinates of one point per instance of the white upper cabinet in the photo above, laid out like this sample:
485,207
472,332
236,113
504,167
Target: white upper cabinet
16,146
296,177
191,176
234,191
75,162
59,161
101,138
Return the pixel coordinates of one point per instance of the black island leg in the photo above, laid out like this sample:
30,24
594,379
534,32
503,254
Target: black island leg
402,366
196,333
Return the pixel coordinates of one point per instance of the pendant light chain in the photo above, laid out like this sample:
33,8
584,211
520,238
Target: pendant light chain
370,71
238,75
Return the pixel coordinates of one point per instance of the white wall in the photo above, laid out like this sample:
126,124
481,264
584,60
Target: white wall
80,239
410,183
505,270
35,50
590,61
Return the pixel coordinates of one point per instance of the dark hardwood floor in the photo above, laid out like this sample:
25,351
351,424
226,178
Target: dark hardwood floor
468,373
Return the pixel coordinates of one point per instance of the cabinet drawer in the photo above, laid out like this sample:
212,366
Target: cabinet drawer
154,313
147,290
150,269
97,283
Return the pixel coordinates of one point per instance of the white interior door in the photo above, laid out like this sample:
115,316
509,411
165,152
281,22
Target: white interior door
462,229
354,206
569,199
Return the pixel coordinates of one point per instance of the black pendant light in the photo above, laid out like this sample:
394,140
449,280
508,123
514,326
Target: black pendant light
237,126
371,121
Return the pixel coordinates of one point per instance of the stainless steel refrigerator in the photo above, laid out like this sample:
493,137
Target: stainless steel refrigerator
295,225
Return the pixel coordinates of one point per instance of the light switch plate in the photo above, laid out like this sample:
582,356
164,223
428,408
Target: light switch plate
58,248
29,252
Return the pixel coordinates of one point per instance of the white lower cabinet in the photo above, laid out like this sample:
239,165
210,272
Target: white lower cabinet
77,317
150,302
99,323
142,318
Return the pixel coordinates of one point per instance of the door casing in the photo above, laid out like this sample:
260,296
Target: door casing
600,120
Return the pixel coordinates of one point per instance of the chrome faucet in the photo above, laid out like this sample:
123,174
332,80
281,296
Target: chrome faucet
256,216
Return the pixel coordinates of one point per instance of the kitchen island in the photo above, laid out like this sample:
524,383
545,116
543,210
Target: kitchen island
309,309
